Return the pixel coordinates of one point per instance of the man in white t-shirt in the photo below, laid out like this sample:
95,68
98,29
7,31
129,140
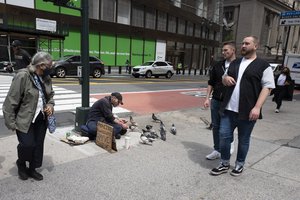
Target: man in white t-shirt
248,83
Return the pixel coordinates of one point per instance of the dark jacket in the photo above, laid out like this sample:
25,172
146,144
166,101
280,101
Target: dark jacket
22,59
21,101
102,111
250,86
215,80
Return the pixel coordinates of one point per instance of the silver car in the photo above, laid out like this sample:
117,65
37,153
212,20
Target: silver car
154,68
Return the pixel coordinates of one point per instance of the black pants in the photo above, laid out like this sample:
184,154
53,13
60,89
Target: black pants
280,93
31,144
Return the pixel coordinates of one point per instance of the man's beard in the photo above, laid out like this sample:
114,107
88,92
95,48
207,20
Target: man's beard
245,52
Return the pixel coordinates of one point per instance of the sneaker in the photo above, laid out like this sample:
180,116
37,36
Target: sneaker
213,155
276,110
237,171
219,170
35,175
232,148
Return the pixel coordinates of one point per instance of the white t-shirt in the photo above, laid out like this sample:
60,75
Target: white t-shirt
281,80
267,81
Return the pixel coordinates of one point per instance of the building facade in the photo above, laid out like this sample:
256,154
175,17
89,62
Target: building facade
179,31
261,18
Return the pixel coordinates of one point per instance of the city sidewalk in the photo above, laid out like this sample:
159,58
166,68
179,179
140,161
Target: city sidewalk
175,169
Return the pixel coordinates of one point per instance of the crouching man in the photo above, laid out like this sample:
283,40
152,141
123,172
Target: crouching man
102,111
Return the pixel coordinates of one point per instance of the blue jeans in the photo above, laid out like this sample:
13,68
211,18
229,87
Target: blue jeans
230,121
215,120
92,126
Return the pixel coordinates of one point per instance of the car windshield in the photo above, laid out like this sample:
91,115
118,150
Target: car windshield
148,63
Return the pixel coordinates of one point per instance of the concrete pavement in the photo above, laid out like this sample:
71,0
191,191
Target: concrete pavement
175,169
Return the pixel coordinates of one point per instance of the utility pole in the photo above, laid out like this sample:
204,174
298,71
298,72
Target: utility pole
287,38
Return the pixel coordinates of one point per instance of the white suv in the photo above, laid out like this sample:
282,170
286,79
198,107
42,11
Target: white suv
153,68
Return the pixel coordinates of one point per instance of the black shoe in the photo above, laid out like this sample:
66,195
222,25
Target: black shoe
22,170
118,136
123,131
35,175
237,171
219,170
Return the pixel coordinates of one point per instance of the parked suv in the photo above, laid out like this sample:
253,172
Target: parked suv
153,68
67,65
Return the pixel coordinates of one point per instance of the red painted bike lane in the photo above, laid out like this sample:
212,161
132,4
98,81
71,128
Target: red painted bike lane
160,101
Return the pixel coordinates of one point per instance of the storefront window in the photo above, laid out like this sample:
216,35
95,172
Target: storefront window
181,26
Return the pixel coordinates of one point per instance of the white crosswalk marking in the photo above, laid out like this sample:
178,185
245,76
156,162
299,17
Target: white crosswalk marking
65,100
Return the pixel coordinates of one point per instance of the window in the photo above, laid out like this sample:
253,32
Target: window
161,64
93,59
190,29
94,9
124,11
108,10
150,18
197,31
172,24
137,16
181,26
161,21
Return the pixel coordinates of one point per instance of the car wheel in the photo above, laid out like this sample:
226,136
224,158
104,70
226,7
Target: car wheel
169,74
148,74
97,73
60,72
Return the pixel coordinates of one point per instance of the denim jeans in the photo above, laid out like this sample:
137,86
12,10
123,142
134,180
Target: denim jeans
92,126
230,121
215,120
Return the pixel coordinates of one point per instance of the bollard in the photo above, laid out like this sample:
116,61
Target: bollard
129,69
109,69
120,69
195,71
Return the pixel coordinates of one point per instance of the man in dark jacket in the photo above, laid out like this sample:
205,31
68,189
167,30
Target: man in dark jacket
22,57
217,89
248,83
102,111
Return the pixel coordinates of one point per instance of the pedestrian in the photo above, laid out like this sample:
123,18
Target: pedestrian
22,57
248,83
101,111
217,89
25,110
127,63
179,68
282,81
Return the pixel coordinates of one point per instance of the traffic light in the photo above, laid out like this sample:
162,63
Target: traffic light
61,2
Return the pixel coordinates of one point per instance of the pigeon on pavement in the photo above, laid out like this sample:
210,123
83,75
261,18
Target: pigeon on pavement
163,131
132,122
173,129
155,119
145,140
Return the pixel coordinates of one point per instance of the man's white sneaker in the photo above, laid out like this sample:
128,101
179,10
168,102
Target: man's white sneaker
213,155
232,148
276,110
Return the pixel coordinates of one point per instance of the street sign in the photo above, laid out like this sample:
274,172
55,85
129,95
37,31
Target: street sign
289,18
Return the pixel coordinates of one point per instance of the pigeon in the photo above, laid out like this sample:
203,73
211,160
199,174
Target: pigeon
162,131
173,129
149,127
132,122
155,119
145,140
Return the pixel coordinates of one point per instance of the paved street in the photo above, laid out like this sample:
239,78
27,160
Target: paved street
175,169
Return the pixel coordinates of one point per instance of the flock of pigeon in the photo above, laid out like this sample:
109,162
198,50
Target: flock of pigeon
148,135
